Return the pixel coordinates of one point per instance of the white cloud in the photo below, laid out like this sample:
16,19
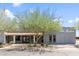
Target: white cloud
56,19
8,13
31,10
77,19
16,4
70,21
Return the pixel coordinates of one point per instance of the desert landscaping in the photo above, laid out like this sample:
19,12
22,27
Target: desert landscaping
51,50
39,29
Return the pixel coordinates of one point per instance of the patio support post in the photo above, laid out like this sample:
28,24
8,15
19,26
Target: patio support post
34,38
14,40
4,39
21,38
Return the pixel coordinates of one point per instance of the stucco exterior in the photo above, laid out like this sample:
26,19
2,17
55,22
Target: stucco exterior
1,37
67,36
61,38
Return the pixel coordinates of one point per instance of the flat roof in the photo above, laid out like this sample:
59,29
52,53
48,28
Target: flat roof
6,33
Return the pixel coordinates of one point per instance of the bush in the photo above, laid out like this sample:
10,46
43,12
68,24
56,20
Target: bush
11,42
1,45
29,45
34,45
42,44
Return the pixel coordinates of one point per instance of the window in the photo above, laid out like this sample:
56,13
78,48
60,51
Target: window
17,38
50,38
54,38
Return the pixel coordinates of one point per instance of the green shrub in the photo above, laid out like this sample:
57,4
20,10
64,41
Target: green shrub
1,46
29,45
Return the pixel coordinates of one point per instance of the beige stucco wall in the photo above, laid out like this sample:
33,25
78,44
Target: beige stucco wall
65,37
61,37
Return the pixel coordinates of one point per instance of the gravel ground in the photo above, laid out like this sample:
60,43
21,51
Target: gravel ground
56,50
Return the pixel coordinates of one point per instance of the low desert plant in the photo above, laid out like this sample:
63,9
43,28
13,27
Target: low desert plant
11,42
34,45
30,45
1,46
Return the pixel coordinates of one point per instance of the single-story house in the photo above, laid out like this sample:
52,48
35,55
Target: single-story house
67,36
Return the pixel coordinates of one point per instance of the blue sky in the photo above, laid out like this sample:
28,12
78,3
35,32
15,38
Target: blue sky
69,13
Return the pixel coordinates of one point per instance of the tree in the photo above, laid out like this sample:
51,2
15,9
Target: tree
35,21
6,24
39,22
77,25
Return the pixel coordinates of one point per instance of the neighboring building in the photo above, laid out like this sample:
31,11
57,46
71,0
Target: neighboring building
77,34
67,36
68,29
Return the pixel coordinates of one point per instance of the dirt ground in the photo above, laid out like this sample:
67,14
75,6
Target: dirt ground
55,50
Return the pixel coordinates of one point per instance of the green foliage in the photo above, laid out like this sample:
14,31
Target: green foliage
38,22
6,24
30,22
77,26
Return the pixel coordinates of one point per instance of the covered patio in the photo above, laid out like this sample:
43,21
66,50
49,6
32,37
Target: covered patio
22,37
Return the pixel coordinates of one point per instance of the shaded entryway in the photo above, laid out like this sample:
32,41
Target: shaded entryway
9,39
23,38
39,39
